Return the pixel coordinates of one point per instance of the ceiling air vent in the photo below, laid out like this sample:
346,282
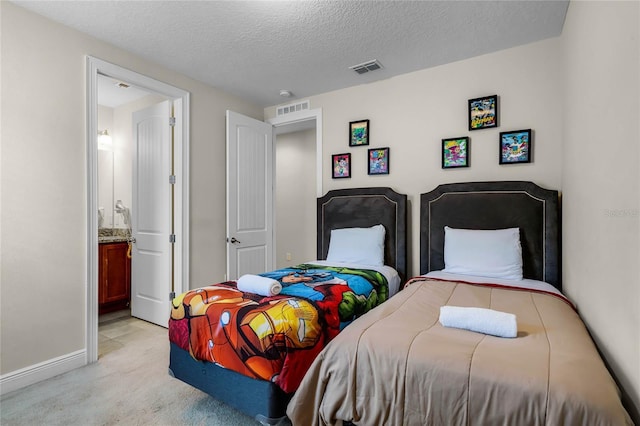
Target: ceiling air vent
366,67
288,109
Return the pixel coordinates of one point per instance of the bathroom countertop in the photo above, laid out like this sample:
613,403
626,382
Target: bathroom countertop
112,239
108,235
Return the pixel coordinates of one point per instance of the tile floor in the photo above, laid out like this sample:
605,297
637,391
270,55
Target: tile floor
116,329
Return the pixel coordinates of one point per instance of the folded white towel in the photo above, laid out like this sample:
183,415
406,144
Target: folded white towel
259,285
487,321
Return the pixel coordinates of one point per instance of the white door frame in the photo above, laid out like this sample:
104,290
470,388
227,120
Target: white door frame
301,117
95,66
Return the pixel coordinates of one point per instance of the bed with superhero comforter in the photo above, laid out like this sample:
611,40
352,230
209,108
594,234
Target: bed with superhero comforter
275,338
252,351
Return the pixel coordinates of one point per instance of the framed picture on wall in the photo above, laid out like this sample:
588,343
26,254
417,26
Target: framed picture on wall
359,133
455,152
483,112
341,166
515,147
378,161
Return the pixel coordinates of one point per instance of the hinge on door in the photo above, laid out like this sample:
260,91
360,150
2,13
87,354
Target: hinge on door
172,238
172,295
172,179
172,121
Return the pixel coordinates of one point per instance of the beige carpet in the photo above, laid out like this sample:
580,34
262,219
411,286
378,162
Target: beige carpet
129,385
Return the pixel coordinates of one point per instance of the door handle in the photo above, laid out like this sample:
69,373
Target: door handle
233,240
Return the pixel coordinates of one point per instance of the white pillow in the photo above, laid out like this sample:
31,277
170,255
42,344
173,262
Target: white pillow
357,245
484,253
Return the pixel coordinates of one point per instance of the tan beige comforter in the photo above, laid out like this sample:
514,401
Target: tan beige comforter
397,365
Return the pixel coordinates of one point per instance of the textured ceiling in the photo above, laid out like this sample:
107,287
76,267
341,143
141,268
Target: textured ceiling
254,49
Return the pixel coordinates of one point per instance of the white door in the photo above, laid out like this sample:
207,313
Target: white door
151,263
249,196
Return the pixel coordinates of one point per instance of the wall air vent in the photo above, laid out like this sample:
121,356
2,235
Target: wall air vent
366,67
288,109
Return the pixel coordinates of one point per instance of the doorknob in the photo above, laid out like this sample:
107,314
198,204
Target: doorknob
233,240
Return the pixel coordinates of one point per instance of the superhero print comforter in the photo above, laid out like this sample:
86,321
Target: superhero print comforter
274,338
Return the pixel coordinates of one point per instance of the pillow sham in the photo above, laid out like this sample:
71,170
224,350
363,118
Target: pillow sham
484,253
357,245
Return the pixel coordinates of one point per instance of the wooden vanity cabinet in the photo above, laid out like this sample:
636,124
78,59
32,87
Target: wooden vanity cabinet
114,277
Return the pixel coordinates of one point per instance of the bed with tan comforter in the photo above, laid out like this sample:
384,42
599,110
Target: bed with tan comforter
397,365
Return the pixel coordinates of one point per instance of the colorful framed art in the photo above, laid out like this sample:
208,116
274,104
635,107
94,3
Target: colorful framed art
359,133
455,152
483,112
515,147
378,161
341,166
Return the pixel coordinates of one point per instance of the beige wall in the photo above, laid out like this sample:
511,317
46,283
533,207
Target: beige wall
601,181
43,221
295,197
412,113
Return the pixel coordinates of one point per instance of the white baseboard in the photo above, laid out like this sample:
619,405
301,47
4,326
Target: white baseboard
42,371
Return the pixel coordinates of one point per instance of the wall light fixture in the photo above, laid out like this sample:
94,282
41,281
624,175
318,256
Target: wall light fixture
104,140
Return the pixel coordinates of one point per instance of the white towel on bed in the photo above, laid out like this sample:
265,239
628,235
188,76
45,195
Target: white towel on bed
481,320
259,285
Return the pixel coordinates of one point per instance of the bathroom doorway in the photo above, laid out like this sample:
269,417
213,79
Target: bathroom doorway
118,102
111,198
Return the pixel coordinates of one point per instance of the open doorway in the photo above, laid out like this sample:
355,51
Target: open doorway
295,195
114,208
298,181
118,101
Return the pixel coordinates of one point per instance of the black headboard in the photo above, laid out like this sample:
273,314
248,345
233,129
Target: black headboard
362,208
495,205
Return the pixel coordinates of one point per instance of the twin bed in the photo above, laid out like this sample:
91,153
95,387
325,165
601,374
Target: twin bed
256,358
398,364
